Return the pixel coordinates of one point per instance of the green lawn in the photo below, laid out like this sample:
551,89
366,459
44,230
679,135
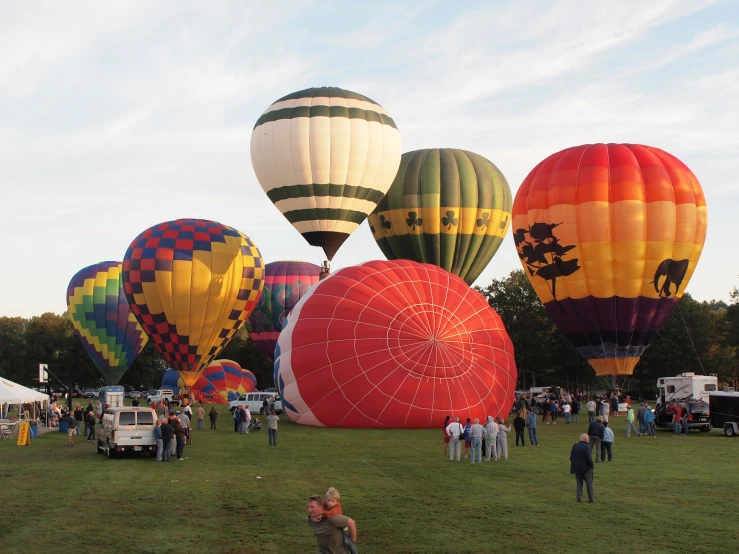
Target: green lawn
658,495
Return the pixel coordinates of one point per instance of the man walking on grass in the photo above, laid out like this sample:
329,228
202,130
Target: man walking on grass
454,430
581,466
591,410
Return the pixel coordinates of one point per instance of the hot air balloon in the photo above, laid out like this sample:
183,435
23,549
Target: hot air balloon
284,284
191,284
609,236
224,381
103,320
172,380
393,344
446,207
325,157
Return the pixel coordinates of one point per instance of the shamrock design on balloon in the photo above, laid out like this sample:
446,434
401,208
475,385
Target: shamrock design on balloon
449,220
413,220
482,222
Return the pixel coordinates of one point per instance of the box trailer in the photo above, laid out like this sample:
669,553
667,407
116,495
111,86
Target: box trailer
724,408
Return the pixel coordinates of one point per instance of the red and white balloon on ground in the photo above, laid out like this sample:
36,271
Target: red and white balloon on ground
393,344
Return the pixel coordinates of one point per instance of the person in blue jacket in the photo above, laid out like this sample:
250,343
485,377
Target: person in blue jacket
649,421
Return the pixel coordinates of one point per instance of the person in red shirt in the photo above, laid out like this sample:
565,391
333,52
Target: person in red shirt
677,412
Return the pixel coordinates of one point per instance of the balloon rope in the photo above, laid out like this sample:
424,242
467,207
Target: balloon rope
691,338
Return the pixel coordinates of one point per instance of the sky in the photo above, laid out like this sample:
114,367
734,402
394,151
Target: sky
115,116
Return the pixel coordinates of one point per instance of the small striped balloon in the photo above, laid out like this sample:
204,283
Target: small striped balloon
325,157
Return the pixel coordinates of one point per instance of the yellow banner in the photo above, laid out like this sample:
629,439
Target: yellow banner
24,434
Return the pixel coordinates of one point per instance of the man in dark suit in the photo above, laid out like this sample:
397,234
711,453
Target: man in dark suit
581,464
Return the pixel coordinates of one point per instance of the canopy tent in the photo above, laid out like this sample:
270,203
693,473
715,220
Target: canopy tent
14,394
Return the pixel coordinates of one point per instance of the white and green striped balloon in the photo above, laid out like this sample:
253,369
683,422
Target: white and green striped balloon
325,157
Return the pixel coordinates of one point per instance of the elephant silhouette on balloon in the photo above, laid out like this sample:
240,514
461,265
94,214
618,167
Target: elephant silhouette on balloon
674,272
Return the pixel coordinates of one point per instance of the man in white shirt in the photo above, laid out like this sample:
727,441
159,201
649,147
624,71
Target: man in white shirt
476,433
454,430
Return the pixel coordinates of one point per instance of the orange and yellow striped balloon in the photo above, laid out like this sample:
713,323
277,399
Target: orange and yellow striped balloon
609,236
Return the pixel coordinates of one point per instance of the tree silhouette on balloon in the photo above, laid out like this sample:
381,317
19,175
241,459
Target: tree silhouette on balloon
543,254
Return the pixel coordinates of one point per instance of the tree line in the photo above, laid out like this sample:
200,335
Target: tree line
50,339
700,337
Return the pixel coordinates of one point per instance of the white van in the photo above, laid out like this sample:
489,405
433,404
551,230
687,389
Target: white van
127,429
255,401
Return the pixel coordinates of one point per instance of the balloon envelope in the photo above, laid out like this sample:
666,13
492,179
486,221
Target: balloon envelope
172,380
393,344
285,282
609,236
191,284
103,320
225,380
446,207
325,157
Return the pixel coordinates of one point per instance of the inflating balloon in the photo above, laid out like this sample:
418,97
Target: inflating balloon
393,344
191,284
284,284
172,380
609,236
446,207
103,320
325,157
224,381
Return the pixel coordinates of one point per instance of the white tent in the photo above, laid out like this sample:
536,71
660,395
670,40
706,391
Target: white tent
12,394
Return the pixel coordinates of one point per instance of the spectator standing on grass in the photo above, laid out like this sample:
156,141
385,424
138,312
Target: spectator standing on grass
607,443
167,435
71,428
79,417
640,418
237,418
501,442
446,435
467,440
173,443
265,407
581,466
630,422
553,409
329,531
614,403
676,413
91,420
575,411
476,433
595,432
272,420
545,411
684,420
213,415
531,424
200,414
98,409
455,431
180,434
604,409
135,402
241,419
566,409
162,410
158,438
248,419
591,410
519,424
491,437
649,420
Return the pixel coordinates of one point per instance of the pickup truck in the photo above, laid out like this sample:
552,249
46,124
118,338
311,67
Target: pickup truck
160,395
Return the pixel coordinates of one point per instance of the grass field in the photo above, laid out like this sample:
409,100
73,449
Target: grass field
658,495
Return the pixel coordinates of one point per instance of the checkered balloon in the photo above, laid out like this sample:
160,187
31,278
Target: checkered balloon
191,284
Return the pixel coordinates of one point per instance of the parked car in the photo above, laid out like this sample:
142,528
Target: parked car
160,395
90,393
698,415
255,401
136,394
127,429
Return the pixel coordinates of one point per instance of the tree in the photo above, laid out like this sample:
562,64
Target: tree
12,347
245,352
